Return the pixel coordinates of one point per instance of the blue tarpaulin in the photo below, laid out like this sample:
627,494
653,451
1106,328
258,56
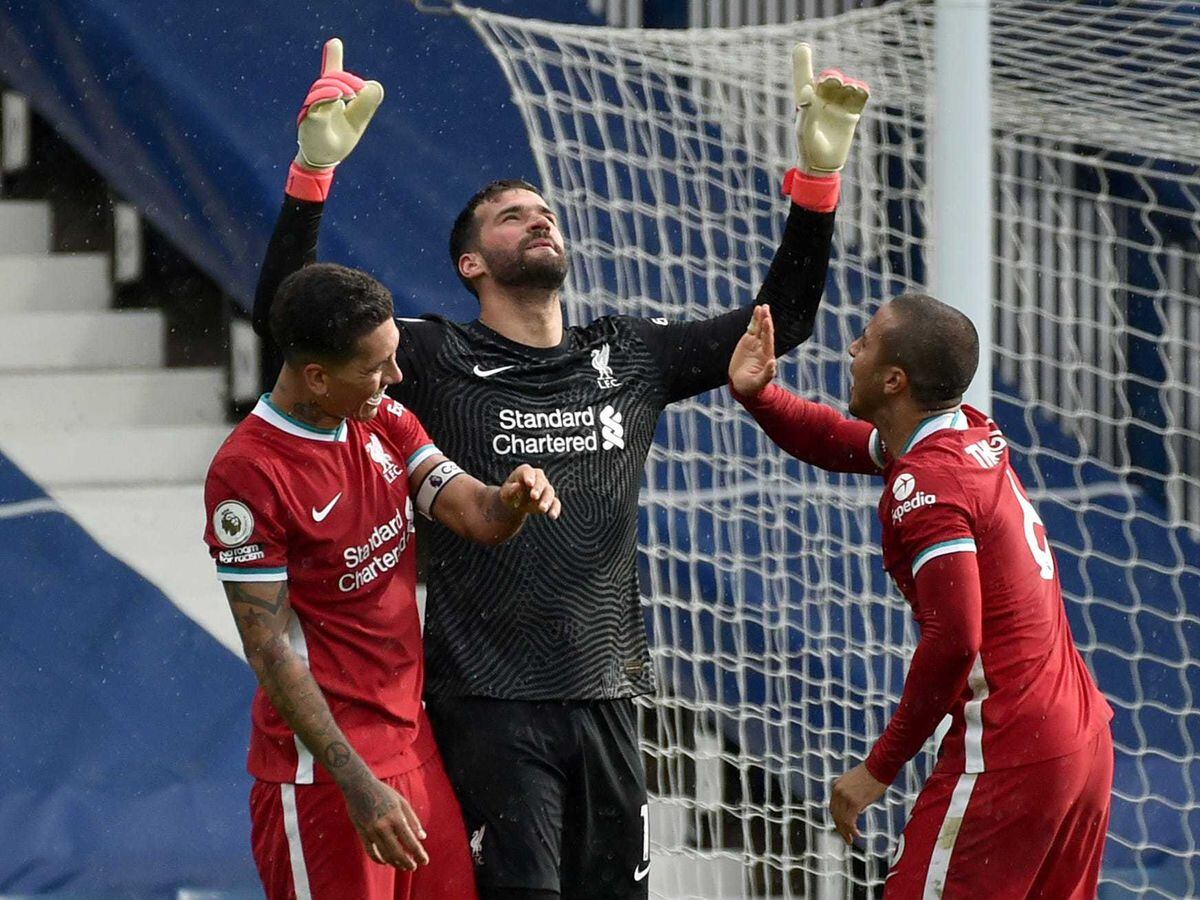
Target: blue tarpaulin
123,724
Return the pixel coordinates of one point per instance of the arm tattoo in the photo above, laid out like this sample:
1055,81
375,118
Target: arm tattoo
241,595
497,510
251,618
337,755
290,686
297,697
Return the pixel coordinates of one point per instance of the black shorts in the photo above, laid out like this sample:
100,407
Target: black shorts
553,793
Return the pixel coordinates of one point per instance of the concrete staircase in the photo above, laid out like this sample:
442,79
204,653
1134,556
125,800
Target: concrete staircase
91,413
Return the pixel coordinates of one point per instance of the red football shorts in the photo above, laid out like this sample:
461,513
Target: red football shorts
1029,831
306,847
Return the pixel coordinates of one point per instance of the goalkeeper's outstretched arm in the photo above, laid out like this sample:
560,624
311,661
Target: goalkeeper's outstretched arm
293,245
332,119
828,108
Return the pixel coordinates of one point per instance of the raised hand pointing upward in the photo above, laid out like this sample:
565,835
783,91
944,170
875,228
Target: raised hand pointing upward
827,110
335,114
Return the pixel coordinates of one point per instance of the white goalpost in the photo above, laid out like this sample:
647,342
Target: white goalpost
780,646
961,174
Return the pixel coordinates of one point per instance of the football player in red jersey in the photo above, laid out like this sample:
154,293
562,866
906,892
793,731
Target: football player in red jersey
310,507
1018,802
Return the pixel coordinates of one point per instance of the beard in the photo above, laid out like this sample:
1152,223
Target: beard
515,269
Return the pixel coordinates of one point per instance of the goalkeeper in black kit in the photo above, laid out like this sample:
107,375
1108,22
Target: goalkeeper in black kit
536,649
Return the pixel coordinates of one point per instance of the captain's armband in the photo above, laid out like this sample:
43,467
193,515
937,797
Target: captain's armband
437,479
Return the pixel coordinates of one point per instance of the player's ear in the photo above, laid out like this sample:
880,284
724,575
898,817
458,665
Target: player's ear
471,266
895,381
316,379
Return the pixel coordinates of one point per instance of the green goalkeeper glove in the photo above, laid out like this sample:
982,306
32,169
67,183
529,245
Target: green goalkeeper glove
827,110
335,114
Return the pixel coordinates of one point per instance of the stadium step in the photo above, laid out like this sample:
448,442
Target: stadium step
111,398
127,455
39,282
91,413
81,340
24,227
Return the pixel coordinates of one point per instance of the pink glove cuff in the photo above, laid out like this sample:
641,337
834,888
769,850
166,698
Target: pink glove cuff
308,184
816,192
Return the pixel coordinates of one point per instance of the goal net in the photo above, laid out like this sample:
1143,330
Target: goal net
779,643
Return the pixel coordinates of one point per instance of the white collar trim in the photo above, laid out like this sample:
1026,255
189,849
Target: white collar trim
954,419
273,415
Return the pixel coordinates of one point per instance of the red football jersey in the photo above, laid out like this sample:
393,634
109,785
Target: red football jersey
1029,697
330,513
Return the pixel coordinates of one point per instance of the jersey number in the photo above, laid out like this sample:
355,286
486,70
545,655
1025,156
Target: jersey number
1039,545
642,869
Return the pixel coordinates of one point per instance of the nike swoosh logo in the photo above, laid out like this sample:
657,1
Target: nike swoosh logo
639,873
319,515
488,373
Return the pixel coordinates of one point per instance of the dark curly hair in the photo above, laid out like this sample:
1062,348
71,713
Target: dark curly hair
322,311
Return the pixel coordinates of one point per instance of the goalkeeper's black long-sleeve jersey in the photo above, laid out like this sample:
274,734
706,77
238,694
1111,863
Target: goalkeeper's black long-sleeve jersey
555,613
